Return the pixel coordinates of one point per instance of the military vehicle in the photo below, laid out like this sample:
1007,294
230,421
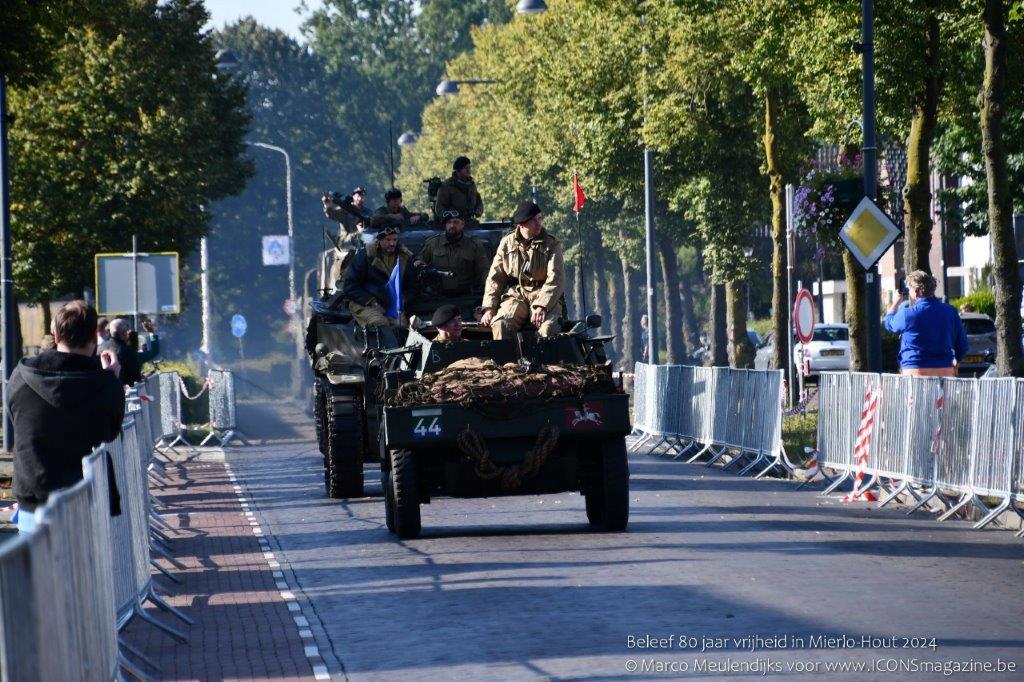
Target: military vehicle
346,359
457,439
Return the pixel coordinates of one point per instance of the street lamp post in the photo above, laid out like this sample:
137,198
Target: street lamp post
7,308
296,327
872,288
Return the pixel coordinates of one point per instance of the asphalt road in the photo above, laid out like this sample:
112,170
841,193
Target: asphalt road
521,588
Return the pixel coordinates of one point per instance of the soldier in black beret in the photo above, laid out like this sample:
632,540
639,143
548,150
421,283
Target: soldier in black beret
526,281
448,321
459,193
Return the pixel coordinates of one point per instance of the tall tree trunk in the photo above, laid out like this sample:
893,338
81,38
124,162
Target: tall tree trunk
670,293
44,303
780,294
855,297
634,309
917,194
741,351
599,281
577,292
691,330
615,324
1009,360
718,333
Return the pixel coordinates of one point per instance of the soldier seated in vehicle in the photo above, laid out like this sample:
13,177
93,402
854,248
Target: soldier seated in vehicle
394,214
527,278
448,321
365,286
453,251
459,193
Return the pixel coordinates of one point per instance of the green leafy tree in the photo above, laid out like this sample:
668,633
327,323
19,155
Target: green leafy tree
294,101
127,133
400,48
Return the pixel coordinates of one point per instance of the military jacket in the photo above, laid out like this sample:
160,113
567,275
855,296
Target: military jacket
532,271
366,278
465,257
382,217
460,195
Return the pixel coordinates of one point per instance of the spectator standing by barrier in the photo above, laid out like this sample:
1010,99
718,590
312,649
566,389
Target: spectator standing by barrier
932,336
127,357
64,402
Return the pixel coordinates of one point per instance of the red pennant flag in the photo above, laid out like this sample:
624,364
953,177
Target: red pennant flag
578,197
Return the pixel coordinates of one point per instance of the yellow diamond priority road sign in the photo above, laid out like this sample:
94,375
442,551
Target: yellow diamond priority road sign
868,233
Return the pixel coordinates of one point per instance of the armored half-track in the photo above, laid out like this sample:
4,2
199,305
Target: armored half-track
346,360
527,437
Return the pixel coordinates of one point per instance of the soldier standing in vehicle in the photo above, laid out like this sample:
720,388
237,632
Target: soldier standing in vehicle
454,251
394,214
459,193
351,212
365,286
527,278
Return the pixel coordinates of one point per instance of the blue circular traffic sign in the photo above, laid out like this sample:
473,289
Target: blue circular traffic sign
238,325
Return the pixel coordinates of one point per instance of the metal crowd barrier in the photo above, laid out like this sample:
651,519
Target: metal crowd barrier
223,425
172,430
56,588
68,588
955,442
731,415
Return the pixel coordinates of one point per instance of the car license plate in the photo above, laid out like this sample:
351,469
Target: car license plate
831,353
972,359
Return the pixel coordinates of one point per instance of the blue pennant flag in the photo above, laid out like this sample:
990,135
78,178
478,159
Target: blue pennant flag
394,292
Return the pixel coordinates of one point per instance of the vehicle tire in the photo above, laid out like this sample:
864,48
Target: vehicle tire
389,501
595,507
405,497
344,471
612,500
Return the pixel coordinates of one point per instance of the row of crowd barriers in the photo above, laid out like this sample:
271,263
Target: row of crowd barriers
733,416
946,441
223,424
70,587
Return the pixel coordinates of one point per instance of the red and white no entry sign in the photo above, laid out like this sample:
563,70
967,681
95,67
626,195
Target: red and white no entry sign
803,316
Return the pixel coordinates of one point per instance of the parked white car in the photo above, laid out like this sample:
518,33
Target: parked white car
828,350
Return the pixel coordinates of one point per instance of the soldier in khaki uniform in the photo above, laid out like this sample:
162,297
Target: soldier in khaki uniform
527,278
462,255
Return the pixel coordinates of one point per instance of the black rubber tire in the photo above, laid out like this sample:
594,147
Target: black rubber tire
320,416
405,497
343,474
608,505
595,507
389,501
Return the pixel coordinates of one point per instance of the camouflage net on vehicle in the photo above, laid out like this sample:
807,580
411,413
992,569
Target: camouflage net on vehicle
475,381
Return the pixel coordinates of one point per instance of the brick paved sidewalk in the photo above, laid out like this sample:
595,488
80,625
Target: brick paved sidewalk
245,627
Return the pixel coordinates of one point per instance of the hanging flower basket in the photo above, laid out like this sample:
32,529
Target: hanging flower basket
825,198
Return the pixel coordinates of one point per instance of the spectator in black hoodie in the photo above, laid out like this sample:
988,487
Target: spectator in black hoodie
127,356
63,402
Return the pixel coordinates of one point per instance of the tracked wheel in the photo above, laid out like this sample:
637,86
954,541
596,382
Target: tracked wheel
320,415
343,471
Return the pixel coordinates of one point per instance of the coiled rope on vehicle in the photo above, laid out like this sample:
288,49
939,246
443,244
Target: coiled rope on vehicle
472,444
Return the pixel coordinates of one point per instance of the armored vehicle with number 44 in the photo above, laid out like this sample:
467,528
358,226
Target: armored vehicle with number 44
482,417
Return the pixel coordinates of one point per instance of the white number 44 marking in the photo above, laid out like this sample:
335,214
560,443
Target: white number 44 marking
423,431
